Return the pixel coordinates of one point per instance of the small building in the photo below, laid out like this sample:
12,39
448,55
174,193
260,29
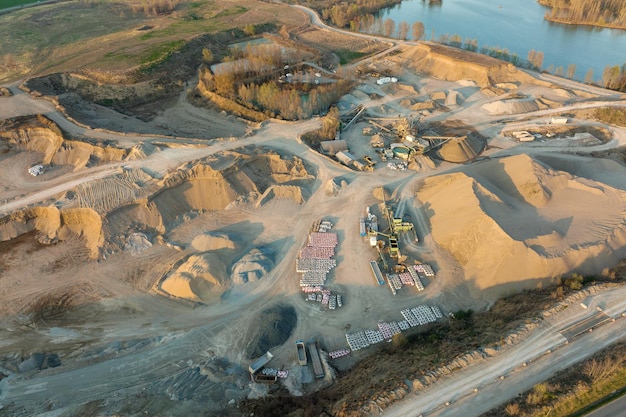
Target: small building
558,120
331,147
345,157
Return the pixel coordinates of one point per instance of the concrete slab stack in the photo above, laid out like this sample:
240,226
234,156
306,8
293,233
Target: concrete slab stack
374,336
357,340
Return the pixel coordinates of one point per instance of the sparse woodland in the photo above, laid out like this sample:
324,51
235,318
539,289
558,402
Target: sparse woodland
255,78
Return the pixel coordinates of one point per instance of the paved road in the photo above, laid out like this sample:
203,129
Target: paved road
544,352
616,408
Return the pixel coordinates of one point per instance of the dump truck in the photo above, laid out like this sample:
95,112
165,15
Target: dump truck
301,352
260,363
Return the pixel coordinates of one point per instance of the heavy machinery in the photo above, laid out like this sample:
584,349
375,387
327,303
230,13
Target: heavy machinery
394,250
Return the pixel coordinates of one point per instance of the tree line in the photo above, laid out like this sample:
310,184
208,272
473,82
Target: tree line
606,13
341,14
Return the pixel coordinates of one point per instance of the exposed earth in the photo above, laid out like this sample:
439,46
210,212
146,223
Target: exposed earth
153,259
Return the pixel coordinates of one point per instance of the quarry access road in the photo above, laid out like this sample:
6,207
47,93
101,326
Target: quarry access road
486,384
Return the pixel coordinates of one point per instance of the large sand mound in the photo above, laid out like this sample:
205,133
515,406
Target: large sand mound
212,241
461,149
40,134
514,222
245,179
53,224
200,278
454,64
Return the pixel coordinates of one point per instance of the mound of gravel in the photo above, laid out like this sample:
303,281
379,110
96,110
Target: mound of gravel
272,327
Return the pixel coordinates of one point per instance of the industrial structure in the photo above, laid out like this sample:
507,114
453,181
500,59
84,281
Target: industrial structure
369,226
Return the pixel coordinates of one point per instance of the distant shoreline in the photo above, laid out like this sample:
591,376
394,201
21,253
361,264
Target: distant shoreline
581,23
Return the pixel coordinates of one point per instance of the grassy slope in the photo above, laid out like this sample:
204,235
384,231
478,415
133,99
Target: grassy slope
61,37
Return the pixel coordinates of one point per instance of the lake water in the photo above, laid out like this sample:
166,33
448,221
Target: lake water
519,26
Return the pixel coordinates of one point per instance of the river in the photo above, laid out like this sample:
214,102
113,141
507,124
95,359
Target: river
519,26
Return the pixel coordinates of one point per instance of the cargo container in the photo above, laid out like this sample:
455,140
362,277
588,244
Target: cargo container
315,360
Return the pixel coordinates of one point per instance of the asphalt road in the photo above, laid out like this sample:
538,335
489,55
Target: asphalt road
483,386
616,408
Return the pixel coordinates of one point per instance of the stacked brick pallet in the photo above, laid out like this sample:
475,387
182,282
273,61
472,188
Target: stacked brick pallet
416,279
312,289
323,240
309,252
315,264
416,316
406,278
315,260
425,269
339,353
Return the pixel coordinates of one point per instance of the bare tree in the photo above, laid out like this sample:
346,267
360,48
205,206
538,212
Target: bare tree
418,30
403,30
390,27
571,71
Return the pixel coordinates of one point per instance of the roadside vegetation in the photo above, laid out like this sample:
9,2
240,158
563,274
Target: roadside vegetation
612,115
417,356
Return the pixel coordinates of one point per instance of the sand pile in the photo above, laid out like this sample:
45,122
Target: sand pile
282,192
40,134
54,224
514,223
242,179
453,64
200,278
252,267
501,107
212,241
461,149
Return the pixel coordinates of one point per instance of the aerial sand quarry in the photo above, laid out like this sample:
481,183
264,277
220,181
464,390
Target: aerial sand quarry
149,259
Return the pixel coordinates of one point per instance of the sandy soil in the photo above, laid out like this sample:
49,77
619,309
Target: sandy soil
150,314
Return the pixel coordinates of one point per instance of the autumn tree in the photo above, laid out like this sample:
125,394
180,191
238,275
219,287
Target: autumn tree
571,71
559,71
389,27
330,123
589,76
207,55
403,30
249,30
418,30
